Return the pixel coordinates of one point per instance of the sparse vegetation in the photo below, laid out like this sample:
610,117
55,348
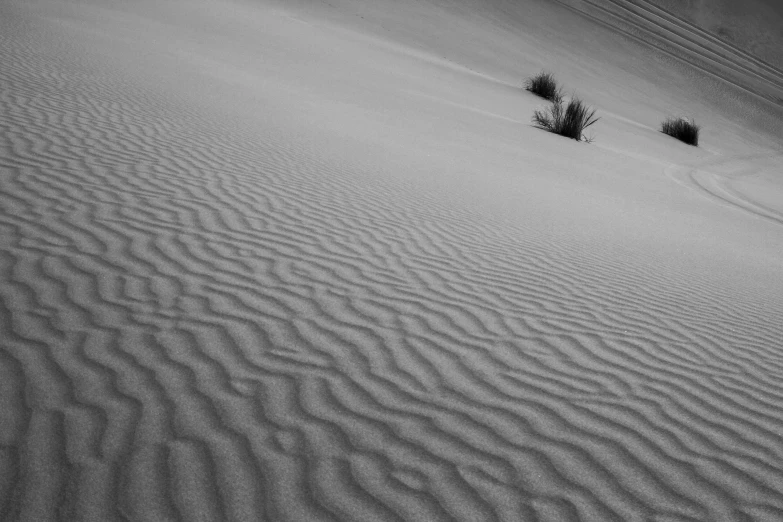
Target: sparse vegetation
544,85
684,129
566,120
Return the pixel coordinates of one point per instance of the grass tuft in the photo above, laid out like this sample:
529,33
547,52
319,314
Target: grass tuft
544,85
566,120
683,129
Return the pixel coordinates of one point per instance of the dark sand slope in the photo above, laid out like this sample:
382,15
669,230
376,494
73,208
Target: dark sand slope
306,261
754,25
676,37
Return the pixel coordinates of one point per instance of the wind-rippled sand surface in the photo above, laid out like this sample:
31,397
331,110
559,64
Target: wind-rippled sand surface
307,262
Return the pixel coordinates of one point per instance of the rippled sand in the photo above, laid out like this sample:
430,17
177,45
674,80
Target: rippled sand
302,261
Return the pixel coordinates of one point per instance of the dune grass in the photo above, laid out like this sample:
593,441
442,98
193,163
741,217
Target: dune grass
683,129
544,85
566,120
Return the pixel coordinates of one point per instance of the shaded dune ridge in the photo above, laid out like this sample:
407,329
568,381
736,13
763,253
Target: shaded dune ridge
202,323
755,25
655,26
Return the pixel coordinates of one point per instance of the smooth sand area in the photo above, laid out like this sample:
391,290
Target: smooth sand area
310,261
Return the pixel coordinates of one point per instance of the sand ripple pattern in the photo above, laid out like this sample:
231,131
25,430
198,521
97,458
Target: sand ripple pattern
199,324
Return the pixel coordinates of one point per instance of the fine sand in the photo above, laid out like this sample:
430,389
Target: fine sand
754,25
309,260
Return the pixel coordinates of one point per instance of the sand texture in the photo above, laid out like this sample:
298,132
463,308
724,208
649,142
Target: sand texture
310,261
754,25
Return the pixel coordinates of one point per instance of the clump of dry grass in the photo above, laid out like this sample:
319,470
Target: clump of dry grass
566,120
543,84
683,129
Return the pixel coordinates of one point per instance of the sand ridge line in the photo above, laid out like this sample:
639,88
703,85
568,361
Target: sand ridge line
683,53
705,43
728,47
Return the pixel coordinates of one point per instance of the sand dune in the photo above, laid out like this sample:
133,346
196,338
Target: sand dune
755,25
676,37
309,261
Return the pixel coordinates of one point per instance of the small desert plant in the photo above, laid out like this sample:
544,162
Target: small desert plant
543,84
683,129
567,120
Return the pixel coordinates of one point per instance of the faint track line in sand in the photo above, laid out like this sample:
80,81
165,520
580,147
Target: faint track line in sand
701,177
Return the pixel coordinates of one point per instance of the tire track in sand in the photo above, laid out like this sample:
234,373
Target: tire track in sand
713,178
